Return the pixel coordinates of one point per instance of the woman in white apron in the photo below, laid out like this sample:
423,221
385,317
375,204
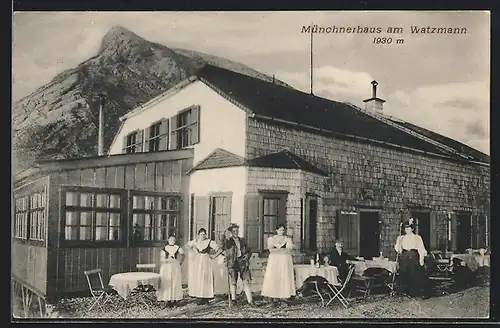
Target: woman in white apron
201,273
279,278
172,257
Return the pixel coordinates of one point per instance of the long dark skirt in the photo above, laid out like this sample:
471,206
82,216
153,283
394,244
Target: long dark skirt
413,280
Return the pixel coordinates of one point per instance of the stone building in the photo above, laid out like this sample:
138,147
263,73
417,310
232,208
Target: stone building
223,147
266,154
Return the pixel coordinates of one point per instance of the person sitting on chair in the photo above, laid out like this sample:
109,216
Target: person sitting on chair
339,258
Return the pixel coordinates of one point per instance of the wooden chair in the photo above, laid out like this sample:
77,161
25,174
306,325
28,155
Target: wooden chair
146,267
143,290
337,290
99,292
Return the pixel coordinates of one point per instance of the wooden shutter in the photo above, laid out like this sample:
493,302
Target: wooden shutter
139,140
146,137
434,233
405,217
282,210
453,232
348,231
474,232
202,213
253,222
481,231
164,136
195,125
124,145
173,135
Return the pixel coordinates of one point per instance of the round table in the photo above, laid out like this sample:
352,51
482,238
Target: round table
303,271
125,282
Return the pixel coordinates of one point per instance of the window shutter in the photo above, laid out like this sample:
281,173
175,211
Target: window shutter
474,231
139,140
164,136
146,137
453,232
253,220
434,242
173,135
282,210
405,217
347,231
195,125
481,231
124,147
201,205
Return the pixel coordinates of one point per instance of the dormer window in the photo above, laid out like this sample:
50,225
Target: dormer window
185,128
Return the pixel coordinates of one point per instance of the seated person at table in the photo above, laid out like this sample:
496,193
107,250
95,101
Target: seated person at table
338,259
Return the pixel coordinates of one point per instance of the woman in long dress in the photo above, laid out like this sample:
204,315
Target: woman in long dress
172,257
410,246
279,278
201,274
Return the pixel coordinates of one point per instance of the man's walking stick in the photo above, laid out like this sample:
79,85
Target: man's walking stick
227,270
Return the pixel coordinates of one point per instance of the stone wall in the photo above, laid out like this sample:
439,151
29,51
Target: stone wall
366,175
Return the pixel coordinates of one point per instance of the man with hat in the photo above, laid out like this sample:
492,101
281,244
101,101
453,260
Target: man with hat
339,258
237,261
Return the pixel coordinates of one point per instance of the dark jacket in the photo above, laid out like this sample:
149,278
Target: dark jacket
231,250
339,260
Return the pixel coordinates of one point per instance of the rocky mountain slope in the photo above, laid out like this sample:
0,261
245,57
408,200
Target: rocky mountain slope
59,120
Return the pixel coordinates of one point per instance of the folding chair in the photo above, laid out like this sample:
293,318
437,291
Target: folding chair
99,292
338,289
391,283
442,264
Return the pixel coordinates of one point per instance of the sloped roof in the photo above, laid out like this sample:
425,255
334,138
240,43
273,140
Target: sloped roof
270,100
219,158
285,159
446,141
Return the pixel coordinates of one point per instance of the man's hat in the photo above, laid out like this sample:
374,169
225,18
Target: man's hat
232,226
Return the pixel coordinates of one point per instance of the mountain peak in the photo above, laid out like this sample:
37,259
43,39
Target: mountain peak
118,35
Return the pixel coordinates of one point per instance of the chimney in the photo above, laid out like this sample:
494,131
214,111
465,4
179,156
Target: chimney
100,145
374,103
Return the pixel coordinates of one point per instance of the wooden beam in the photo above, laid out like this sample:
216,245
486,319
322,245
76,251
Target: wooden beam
114,160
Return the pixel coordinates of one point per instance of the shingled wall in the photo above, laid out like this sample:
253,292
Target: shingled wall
392,177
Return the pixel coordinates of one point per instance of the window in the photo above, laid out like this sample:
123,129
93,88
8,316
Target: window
92,215
133,142
21,218
157,136
185,128
29,216
271,216
154,217
37,216
220,215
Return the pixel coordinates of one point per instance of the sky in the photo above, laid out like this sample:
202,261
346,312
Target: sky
438,81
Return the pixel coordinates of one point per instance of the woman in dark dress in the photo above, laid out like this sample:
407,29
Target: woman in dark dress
412,254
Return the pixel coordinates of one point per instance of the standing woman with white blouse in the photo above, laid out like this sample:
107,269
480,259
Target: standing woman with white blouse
201,273
411,265
279,278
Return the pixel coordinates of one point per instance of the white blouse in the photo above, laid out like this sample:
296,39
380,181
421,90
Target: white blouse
172,249
278,242
202,244
409,242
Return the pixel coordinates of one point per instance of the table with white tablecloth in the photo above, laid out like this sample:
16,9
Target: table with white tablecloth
361,266
125,282
304,271
473,261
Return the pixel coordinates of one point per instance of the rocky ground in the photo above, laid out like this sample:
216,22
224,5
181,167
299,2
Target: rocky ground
471,303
